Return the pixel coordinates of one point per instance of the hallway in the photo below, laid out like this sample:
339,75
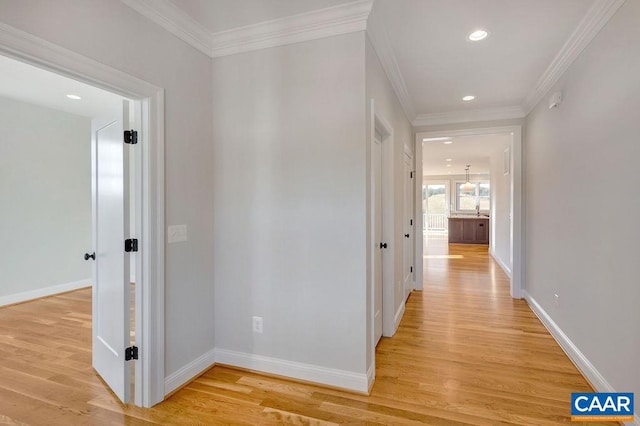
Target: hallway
465,352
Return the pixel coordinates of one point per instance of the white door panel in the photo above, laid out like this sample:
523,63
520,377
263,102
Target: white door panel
111,322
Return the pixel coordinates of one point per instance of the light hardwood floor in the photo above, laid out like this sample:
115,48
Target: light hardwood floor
465,353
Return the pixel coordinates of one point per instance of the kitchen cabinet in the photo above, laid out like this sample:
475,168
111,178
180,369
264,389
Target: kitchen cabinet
469,230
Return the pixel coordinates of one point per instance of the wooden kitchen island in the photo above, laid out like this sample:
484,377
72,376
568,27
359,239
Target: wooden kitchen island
469,229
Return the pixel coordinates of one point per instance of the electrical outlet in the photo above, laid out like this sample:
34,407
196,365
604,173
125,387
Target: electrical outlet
176,233
257,324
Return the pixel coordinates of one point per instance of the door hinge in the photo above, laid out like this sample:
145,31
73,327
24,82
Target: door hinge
410,222
411,175
130,245
411,269
131,137
131,353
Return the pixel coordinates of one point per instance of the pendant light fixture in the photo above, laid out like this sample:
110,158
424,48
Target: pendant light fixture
468,186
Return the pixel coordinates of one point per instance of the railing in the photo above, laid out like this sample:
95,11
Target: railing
434,222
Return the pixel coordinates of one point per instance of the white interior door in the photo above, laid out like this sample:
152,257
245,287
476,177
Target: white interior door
111,322
377,234
407,246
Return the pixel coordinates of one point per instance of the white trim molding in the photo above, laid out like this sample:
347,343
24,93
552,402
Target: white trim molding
25,296
352,17
313,373
577,357
500,263
597,16
468,116
189,372
175,20
399,314
342,19
382,45
332,21
371,375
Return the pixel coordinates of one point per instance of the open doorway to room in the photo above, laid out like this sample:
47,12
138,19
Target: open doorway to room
149,199
471,195
68,187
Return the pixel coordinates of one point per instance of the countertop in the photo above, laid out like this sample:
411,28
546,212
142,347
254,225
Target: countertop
468,216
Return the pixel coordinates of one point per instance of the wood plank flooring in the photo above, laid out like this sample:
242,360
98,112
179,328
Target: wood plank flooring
465,353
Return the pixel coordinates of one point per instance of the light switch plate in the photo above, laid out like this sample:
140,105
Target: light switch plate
177,233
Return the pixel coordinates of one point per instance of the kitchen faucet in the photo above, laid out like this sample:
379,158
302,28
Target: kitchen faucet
478,209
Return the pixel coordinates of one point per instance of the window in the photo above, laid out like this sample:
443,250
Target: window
479,195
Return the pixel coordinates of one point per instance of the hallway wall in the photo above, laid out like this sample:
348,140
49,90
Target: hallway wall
581,202
289,189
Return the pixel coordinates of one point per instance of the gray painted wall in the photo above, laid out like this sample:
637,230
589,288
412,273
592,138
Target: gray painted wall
45,197
289,189
582,204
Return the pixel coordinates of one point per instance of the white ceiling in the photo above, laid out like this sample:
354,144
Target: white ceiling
439,65
422,44
473,150
221,15
33,85
425,52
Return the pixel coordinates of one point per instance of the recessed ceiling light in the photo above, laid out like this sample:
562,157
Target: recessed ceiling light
449,159
74,97
435,139
468,98
448,165
478,35
448,142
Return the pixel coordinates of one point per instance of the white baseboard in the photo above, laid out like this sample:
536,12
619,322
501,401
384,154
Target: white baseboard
579,359
504,267
398,317
371,375
189,372
43,292
296,370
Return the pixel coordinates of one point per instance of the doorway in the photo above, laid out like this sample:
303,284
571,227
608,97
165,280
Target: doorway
383,241
507,173
69,179
149,321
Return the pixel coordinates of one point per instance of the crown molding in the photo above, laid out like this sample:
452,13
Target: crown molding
173,19
382,46
332,21
467,116
597,16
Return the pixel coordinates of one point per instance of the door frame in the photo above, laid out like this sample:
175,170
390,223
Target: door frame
517,283
388,224
379,123
149,307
